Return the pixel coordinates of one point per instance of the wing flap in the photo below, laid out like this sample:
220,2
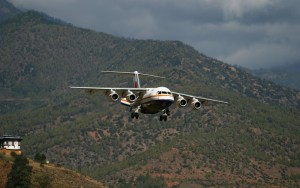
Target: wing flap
125,102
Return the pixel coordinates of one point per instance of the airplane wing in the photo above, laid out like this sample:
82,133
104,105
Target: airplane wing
203,100
128,95
105,90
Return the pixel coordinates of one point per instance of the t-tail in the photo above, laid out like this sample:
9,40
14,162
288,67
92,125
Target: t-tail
136,80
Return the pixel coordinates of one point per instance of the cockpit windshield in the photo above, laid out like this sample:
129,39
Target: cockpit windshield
163,92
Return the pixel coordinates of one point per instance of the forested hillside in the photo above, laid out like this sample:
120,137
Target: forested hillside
252,141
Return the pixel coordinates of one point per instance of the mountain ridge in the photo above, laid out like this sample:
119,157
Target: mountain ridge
7,10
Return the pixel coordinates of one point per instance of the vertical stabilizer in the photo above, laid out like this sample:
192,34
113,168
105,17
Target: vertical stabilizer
136,80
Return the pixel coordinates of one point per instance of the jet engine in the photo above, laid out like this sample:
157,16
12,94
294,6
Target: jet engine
181,102
130,96
196,104
113,95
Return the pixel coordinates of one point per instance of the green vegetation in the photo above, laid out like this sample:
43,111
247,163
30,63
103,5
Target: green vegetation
40,157
20,174
252,141
143,181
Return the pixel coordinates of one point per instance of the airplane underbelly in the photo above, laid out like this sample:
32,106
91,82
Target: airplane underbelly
155,106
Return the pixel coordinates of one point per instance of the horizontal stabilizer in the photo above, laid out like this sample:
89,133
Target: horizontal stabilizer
133,73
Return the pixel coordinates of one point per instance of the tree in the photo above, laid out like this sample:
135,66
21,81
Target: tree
20,173
41,158
149,182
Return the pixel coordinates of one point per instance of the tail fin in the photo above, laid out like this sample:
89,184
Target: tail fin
136,80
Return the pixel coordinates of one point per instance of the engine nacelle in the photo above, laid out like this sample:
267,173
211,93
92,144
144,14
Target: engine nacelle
113,95
196,104
130,96
181,102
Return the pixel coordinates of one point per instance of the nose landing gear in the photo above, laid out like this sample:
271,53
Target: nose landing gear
164,116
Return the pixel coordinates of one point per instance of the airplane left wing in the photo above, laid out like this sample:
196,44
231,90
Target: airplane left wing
183,99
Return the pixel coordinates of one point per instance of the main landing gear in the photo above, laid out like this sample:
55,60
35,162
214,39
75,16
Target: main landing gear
164,116
135,115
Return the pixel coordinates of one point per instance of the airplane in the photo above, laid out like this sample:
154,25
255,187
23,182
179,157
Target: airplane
148,100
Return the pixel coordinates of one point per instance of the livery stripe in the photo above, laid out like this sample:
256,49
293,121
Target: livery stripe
157,95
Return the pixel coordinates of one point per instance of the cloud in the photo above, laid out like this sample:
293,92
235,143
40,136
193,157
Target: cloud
264,55
241,32
238,8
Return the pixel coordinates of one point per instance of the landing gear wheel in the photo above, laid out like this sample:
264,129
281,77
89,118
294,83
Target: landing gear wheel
134,115
163,118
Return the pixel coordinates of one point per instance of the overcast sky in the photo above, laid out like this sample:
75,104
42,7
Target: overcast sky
251,33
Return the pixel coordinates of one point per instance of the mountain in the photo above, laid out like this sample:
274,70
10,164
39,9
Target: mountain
47,175
253,141
7,10
285,75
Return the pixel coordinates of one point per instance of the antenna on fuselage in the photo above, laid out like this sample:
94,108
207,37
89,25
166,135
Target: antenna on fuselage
136,80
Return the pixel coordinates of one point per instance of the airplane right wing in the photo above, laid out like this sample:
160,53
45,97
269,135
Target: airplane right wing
107,89
130,94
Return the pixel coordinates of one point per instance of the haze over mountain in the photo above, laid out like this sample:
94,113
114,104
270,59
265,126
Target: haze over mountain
253,34
286,75
254,141
7,10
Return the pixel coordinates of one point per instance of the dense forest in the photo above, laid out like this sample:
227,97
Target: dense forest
253,141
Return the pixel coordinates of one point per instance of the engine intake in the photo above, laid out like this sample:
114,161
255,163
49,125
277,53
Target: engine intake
130,96
181,102
113,96
196,104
